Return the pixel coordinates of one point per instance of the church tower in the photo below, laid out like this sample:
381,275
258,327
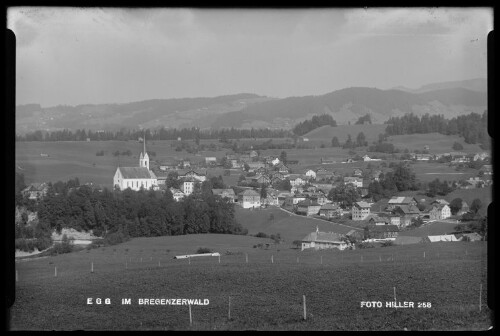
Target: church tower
144,158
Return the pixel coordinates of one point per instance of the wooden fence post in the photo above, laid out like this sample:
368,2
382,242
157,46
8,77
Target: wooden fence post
219,258
55,271
190,316
304,301
229,310
480,293
272,259
92,267
246,258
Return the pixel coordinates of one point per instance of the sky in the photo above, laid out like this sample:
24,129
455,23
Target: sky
72,56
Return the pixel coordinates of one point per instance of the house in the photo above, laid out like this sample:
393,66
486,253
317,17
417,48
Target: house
253,154
382,231
357,172
272,197
225,193
440,202
407,210
323,240
277,175
177,194
187,186
377,220
366,158
282,195
249,199
186,164
283,169
262,179
136,178
211,160
486,169
296,180
308,207
349,160
293,200
275,161
197,175
330,211
360,210
231,157
439,211
399,200
169,164
311,174
35,190
256,165
245,158
473,236
324,175
319,198
423,157
355,181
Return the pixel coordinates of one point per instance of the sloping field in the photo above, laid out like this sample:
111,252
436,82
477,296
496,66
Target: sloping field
290,227
429,171
264,295
326,133
484,194
431,229
438,143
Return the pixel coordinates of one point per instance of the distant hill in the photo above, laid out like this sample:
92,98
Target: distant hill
477,84
250,110
347,105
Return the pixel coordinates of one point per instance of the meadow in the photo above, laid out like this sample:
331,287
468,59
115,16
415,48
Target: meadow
273,220
438,143
266,293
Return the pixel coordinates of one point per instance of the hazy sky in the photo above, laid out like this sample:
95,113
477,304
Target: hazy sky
90,56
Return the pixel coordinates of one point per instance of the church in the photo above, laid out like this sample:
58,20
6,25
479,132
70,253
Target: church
136,178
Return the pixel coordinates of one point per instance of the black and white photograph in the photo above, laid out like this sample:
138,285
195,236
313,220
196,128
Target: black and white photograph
264,169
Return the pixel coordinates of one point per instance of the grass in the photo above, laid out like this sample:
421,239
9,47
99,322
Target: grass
431,229
264,295
429,171
326,133
438,143
290,227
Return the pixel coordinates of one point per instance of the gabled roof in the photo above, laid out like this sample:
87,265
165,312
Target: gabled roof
327,237
307,202
362,204
384,228
249,192
440,201
135,172
407,209
329,207
400,200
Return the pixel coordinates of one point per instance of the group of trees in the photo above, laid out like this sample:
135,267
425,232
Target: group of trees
135,213
437,187
366,119
402,178
360,141
158,134
472,127
317,121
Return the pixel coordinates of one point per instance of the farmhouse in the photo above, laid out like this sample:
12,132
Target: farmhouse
437,212
357,172
136,178
319,198
308,207
296,180
211,160
35,190
249,199
310,173
377,220
355,181
323,240
440,238
398,200
360,210
192,174
330,211
407,210
382,231
177,194
225,193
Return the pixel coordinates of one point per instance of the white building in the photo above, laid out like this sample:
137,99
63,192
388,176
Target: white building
187,187
323,240
360,211
311,174
177,194
136,178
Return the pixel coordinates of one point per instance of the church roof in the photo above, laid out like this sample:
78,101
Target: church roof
135,172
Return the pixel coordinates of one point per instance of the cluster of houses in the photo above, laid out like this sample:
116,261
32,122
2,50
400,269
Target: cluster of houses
454,157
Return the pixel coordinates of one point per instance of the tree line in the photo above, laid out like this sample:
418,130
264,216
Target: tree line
156,134
133,213
472,127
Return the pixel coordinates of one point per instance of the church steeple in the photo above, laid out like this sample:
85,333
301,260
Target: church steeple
144,158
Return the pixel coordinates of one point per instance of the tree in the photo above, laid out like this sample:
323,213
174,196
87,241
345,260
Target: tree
297,243
335,142
283,157
263,192
457,146
361,140
344,194
476,205
348,143
404,178
455,205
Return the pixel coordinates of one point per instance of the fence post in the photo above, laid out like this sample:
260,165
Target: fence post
92,267
219,258
304,301
480,292
321,260
189,260
380,258
272,259
190,316
424,254
229,310
246,258
55,271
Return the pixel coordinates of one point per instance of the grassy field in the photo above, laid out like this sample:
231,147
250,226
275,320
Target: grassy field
264,295
484,194
438,143
429,171
431,229
290,227
326,133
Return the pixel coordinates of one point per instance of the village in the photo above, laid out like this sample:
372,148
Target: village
272,181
